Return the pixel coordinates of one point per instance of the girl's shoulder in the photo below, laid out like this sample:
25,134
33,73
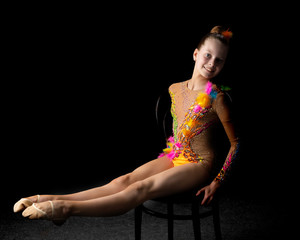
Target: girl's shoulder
179,87
176,86
222,91
223,98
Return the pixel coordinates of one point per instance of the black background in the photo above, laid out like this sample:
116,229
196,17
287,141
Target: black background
80,91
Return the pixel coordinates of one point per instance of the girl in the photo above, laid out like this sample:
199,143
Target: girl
198,108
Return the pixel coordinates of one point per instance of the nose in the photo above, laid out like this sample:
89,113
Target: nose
212,63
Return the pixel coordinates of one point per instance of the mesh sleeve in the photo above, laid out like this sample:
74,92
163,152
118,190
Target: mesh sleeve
223,110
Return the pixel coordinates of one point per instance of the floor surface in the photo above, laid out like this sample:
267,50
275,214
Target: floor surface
240,219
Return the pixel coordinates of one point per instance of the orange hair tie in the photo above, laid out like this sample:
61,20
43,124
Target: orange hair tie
227,34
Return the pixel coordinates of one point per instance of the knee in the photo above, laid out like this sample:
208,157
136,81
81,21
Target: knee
124,180
141,188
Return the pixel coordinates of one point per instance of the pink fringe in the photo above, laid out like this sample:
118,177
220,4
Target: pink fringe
208,87
177,145
175,149
171,139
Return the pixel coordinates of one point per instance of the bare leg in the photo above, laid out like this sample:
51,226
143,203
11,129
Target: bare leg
168,182
115,186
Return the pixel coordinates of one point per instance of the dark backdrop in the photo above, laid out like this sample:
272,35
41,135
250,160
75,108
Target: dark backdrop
80,97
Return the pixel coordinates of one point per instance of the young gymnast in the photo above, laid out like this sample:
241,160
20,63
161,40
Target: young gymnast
198,109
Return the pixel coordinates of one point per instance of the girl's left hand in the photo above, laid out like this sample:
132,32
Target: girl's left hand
209,192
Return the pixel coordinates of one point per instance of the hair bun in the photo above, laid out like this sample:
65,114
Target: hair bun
217,32
221,31
217,29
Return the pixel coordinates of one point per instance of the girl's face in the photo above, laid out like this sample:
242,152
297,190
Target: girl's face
210,58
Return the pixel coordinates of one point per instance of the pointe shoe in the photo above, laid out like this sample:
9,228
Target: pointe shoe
44,210
24,203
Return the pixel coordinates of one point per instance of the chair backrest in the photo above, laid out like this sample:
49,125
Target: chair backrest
163,114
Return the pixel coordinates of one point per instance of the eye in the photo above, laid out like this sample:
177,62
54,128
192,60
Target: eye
207,55
219,60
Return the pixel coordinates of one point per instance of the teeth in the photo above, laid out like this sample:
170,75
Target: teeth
208,69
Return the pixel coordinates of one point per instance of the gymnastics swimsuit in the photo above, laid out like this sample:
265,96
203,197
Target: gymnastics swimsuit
197,117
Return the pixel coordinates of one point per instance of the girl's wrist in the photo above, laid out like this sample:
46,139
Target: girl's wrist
215,184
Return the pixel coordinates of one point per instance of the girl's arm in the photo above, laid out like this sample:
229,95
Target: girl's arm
225,116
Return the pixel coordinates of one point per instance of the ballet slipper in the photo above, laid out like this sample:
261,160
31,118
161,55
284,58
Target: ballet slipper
44,210
24,203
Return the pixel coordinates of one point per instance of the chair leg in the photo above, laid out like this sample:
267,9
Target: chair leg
138,222
196,220
216,220
170,220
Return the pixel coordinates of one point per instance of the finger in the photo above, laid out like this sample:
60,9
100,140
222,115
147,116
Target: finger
204,200
200,191
210,199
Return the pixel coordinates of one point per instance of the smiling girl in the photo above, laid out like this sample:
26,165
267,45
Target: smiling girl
198,108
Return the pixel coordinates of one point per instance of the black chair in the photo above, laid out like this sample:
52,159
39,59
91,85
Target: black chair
195,216
163,117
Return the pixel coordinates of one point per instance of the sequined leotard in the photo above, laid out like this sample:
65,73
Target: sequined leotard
195,125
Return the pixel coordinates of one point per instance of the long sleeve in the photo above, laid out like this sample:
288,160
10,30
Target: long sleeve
224,113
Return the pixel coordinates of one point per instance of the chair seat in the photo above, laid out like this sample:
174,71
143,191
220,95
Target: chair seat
179,198
188,197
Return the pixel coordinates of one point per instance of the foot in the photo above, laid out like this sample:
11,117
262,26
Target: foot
50,210
25,203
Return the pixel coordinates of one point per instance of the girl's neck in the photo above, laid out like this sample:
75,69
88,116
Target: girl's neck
197,84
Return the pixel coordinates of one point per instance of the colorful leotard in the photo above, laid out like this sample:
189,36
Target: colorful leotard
196,117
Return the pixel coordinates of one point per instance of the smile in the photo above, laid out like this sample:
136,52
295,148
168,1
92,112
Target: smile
211,70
